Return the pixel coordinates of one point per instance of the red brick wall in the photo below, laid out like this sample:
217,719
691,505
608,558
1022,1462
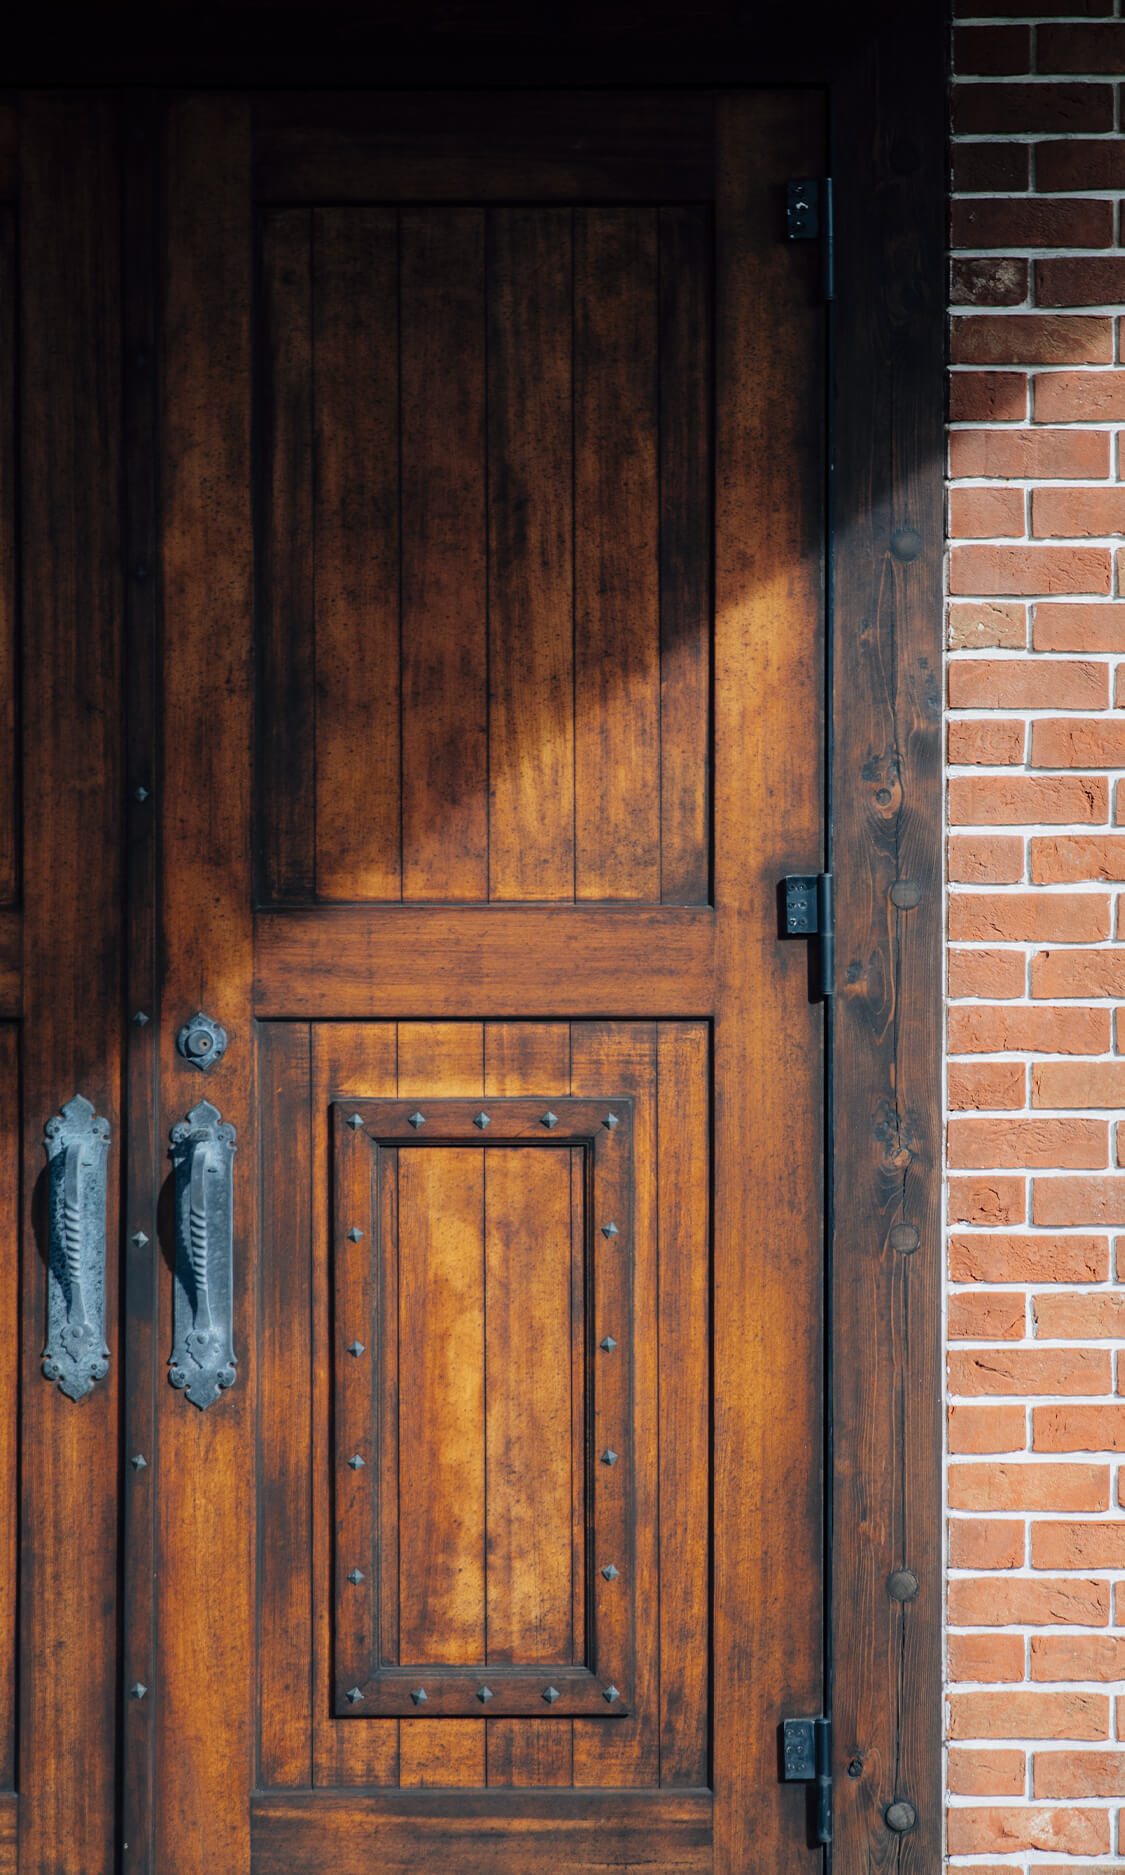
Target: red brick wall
1036,1487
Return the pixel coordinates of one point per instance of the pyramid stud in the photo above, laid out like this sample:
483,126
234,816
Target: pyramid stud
353,1695
355,1577
552,1693
138,1690
355,1233
482,1120
356,1462
485,1695
356,1122
611,1694
549,1120
417,1120
610,1573
610,1121
139,1462
609,1230
140,1018
139,1239
609,1457
419,1695
608,1344
355,1348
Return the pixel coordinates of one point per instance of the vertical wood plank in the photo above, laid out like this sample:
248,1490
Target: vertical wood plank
444,601
9,1406
9,680
70,325
768,1295
358,783
530,555
615,1058
887,1049
534,1058
684,1186
284,1533
616,594
441,1058
203,1691
686,388
350,1060
286,800
441,1262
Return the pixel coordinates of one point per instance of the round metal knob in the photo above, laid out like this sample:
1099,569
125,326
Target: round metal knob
900,1816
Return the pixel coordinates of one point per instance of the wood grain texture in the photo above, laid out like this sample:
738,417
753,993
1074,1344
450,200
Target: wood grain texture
204,1670
9,1833
768,1294
70,321
9,1412
11,964
9,668
616,589
485,1832
356,496
886,1305
538,961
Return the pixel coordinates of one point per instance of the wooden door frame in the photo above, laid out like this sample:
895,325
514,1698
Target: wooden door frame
884,73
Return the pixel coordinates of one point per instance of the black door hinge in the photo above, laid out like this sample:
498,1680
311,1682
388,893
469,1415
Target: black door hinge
808,911
808,217
807,1753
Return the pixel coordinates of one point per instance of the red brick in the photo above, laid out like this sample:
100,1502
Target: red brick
1005,1258
1080,1145
1078,973
988,168
1029,917
1079,627
984,623
973,1371
990,110
1000,1602
986,1773
1077,1657
992,51
1082,48
1077,512
1079,1773
987,1315
988,397
1030,570
987,1657
1078,1084
1031,221
984,1543
985,973
992,280
1031,1485
1119,1608
1029,1715
1074,163
973,1828
1031,339
1081,1318
1065,1545
1078,1429
994,741
988,1201
1075,858
1017,9
996,1029
993,1085
1078,1201
986,513
985,859
1062,742
1051,455
1079,396
1078,280
1014,800
979,1429
1119,803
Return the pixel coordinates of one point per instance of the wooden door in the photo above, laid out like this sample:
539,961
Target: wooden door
469,1344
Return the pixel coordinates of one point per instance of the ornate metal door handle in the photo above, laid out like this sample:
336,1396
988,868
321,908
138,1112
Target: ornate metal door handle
76,1354
203,1361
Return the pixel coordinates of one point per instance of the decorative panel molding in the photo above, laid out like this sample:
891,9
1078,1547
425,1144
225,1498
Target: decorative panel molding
484,1442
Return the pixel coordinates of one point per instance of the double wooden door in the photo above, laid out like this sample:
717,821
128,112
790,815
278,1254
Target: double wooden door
412,561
